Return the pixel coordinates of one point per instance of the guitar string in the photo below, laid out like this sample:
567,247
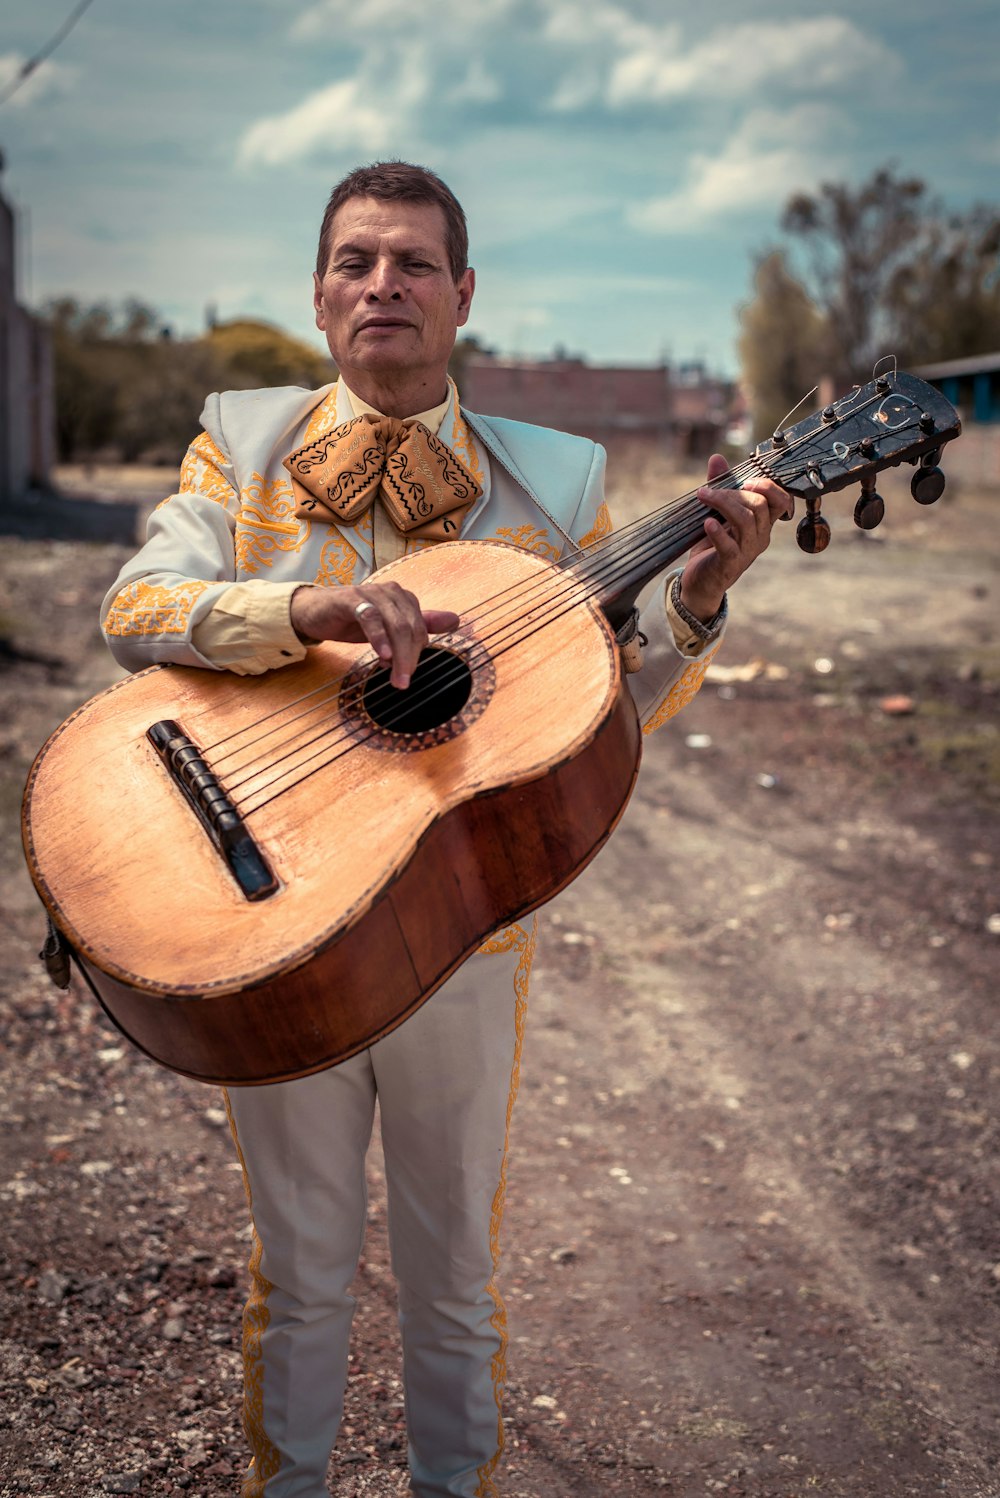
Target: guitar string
585,582
585,562
441,685
519,594
510,593
687,506
450,669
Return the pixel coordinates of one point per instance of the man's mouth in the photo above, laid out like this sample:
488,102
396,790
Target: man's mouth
383,324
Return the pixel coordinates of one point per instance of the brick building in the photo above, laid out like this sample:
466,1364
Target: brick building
683,412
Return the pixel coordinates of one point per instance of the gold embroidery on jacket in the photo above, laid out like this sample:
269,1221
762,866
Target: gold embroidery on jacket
463,445
513,938
144,609
267,524
256,1316
365,528
601,527
680,694
323,418
337,561
201,472
530,538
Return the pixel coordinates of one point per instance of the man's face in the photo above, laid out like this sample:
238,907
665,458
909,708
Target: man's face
387,301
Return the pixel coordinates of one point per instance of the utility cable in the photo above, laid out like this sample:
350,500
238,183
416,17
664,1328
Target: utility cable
26,69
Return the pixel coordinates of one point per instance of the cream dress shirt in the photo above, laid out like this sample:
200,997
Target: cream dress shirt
249,629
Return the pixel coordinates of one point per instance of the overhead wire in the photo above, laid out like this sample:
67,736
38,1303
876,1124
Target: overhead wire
26,69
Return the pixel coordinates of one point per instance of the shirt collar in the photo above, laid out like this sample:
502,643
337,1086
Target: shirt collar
431,419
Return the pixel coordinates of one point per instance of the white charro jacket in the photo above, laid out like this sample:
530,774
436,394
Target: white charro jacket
233,521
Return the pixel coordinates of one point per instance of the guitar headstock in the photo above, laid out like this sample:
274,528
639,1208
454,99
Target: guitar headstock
896,418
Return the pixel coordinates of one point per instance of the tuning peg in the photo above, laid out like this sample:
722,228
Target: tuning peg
869,511
870,508
927,485
812,532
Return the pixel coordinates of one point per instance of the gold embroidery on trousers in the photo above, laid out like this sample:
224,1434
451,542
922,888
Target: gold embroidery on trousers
256,1316
513,938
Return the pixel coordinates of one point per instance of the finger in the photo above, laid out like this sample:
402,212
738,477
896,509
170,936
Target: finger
740,515
780,503
440,621
369,621
407,633
727,546
717,466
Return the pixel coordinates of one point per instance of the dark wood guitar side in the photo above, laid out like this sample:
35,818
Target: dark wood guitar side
391,864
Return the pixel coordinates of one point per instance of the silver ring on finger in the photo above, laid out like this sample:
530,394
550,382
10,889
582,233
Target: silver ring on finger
363,608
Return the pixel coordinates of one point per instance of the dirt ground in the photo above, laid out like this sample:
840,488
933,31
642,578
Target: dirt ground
751,1245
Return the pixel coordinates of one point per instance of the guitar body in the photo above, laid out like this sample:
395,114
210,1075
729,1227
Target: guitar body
394,847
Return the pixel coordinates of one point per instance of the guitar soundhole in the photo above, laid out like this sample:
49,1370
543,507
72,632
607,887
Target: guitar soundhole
452,685
439,689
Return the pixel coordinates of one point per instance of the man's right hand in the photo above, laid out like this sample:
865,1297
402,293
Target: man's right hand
384,614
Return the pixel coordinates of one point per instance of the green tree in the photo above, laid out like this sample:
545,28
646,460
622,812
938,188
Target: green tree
125,387
783,343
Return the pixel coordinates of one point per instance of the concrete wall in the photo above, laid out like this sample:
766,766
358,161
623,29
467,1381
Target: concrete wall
27,401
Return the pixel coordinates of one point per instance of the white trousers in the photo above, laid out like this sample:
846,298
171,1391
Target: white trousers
445,1083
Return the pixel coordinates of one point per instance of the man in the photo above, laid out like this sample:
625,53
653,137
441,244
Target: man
289,502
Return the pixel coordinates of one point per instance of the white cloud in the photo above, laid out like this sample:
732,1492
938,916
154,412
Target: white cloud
623,61
355,114
404,79
48,78
768,158
380,21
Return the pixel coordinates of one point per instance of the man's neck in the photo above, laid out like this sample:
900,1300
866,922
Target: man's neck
396,398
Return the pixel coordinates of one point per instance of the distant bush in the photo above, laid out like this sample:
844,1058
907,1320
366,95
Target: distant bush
126,389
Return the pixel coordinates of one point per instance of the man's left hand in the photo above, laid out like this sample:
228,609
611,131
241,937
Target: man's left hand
730,545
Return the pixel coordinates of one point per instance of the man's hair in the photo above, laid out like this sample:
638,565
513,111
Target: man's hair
399,182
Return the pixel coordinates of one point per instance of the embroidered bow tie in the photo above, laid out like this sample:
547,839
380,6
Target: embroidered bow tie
425,489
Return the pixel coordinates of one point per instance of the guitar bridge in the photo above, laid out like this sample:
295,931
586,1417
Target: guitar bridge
203,791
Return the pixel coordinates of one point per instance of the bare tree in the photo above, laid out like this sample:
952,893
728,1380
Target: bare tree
866,272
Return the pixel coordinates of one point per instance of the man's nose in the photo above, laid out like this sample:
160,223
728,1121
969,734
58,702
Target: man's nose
385,282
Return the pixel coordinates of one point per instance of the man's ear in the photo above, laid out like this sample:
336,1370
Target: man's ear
318,302
466,289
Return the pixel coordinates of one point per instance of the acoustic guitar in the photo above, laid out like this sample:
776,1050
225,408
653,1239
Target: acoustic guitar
258,877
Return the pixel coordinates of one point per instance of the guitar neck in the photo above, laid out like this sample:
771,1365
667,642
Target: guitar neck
616,570
895,418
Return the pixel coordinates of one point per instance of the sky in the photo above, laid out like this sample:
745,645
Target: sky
621,162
